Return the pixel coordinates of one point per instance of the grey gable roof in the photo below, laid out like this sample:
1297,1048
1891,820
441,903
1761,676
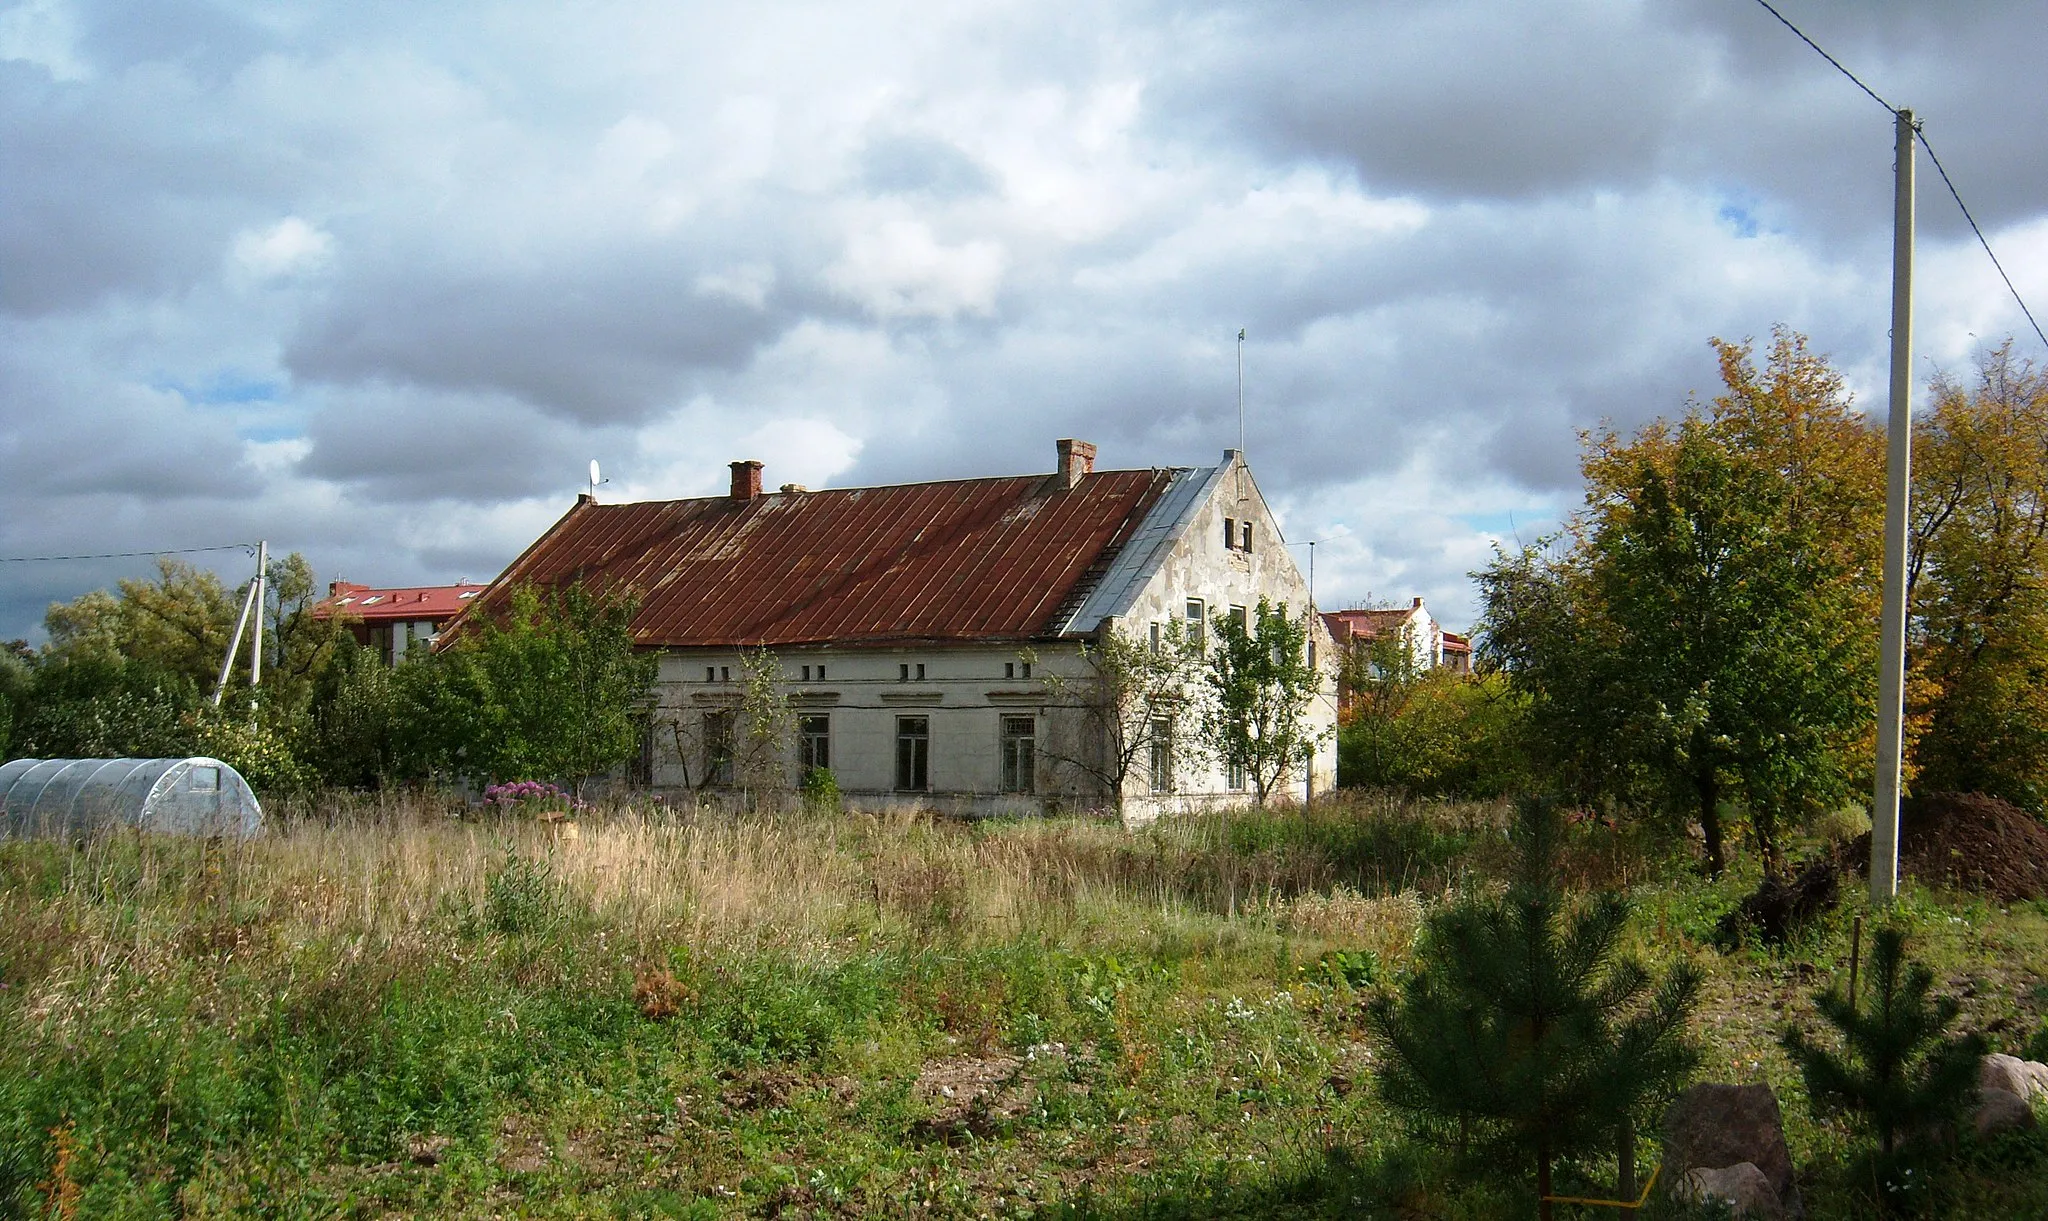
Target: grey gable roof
1150,545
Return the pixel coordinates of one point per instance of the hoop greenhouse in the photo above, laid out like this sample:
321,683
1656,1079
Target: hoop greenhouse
190,796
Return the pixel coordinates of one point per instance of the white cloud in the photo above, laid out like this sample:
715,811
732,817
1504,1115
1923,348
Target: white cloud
44,33
898,269
289,247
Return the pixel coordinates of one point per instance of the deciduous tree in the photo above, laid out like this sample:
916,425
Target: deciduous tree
1979,655
1134,702
1260,684
1703,631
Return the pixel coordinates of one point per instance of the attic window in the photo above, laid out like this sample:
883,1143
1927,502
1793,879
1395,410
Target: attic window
807,674
1229,533
469,593
1155,638
1247,536
1009,669
710,674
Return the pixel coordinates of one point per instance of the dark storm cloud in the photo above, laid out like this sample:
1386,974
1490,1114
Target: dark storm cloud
603,339
1471,100
416,446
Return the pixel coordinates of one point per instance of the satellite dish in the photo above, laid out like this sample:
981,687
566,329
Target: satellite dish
594,480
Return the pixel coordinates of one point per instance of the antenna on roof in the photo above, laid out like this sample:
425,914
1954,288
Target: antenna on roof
596,478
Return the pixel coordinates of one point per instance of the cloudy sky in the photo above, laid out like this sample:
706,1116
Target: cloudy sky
375,281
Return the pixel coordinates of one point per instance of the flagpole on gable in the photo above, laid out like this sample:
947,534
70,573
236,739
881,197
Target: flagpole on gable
1240,392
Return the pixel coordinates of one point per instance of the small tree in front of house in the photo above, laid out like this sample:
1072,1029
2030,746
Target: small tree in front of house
1524,1031
763,728
1260,684
1132,703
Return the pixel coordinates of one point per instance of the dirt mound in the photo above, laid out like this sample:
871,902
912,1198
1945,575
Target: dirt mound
1967,841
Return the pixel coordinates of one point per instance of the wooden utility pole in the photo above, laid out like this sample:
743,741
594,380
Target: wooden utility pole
1898,481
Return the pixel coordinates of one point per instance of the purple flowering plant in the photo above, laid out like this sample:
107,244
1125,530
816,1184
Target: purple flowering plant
530,797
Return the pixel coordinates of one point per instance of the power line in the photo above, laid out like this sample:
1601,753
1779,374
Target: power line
124,555
1946,181
1958,196
1824,55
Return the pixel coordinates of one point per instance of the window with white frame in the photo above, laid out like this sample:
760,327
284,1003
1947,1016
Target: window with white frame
1162,755
814,742
913,753
1020,754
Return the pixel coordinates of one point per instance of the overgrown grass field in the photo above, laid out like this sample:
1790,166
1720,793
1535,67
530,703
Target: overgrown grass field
396,1009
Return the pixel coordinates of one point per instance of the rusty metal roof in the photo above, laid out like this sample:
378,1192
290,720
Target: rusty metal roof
970,559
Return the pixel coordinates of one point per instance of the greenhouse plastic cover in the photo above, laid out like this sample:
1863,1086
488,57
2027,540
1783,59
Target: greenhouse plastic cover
190,796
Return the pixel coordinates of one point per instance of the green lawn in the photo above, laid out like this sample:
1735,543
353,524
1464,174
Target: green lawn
384,1012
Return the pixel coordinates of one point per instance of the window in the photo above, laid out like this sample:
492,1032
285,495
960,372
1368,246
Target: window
1020,753
718,747
1027,669
1009,669
814,743
1198,624
1247,536
725,674
1162,756
1229,534
205,780
710,674
1238,620
807,674
913,753
1155,638
821,672
903,672
1233,775
1311,652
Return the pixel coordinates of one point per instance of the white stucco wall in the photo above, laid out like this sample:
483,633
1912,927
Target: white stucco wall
964,693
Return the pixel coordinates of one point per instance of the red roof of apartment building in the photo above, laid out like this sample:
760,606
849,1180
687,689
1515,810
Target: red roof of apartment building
968,559
374,605
1367,624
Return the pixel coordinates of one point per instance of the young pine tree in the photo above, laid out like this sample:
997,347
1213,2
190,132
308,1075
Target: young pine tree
1898,1068
1524,1030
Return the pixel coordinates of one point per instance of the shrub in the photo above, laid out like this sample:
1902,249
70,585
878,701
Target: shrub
522,898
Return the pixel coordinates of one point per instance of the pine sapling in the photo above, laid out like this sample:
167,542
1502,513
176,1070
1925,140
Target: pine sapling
1897,1068
1523,1029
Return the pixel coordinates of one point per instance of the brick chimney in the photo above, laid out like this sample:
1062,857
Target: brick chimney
1077,458
746,480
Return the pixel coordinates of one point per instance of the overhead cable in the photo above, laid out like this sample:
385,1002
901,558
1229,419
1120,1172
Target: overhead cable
124,555
1948,182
